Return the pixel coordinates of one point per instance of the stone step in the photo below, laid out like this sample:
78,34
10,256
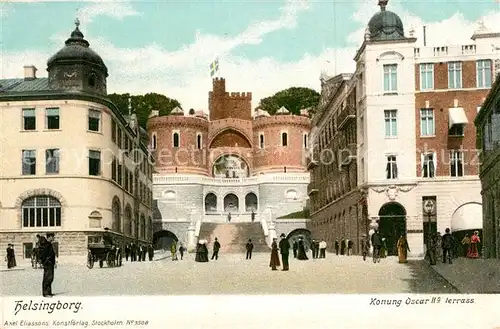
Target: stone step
233,237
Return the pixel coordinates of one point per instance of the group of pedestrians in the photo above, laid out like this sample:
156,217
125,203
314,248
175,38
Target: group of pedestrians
345,247
137,253
446,247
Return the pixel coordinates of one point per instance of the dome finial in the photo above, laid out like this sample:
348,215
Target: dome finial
382,4
77,23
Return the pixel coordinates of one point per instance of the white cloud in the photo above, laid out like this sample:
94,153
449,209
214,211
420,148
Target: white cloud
184,74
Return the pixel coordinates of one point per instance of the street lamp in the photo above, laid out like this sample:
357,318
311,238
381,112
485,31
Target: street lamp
429,206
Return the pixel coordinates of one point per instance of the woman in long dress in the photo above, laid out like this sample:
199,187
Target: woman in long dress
275,259
473,250
403,249
301,252
199,253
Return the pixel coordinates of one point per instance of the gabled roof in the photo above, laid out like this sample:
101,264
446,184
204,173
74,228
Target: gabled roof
177,111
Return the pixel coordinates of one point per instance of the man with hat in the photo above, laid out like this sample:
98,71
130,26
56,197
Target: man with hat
48,259
10,258
284,250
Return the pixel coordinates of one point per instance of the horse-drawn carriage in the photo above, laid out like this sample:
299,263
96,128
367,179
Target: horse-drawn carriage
104,250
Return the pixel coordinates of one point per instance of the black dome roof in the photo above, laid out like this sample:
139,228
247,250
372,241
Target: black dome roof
385,25
77,50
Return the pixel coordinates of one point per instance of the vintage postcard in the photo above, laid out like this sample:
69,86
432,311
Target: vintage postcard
249,164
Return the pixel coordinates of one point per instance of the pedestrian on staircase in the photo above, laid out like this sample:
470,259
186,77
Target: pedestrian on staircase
253,216
216,249
229,217
249,248
181,250
285,251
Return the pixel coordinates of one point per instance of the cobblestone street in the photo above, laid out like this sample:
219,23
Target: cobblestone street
231,274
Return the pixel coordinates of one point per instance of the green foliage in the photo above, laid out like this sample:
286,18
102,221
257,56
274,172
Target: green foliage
293,99
303,214
142,105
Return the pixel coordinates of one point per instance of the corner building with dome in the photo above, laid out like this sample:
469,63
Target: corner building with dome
229,161
71,163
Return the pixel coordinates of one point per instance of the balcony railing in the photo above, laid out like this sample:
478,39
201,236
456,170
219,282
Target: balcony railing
459,50
346,114
193,179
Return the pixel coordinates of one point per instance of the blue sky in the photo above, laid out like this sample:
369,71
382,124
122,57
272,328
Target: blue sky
263,46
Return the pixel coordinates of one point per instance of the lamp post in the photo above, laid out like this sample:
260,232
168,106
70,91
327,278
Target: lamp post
429,206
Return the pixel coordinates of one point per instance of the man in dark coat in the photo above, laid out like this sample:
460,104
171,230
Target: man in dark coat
295,248
48,259
447,245
337,247
216,249
151,252
11,257
249,248
181,251
253,216
127,251
301,254
313,249
284,250
376,243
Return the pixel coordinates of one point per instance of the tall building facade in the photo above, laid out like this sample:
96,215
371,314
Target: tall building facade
71,164
488,128
227,162
416,157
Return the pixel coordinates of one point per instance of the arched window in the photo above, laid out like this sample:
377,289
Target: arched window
150,229
41,211
116,224
176,140
306,143
198,141
128,220
153,141
284,139
142,227
261,141
92,79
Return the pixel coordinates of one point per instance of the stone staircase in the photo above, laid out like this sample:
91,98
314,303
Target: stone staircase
233,237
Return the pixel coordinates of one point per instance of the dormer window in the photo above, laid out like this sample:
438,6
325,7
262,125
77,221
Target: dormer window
261,141
199,141
92,79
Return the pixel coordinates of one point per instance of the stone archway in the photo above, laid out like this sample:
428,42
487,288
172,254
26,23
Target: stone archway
391,224
251,202
164,239
294,236
210,202
231,203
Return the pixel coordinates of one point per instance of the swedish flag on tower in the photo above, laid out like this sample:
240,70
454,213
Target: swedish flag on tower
214,67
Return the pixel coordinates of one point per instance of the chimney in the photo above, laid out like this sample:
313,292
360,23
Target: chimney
29,72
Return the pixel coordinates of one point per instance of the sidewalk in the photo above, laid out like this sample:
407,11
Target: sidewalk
472,276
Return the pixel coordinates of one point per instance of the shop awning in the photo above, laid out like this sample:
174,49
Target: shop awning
457,116
467,217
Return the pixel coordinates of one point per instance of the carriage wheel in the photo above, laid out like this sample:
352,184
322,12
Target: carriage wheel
109,259
90,260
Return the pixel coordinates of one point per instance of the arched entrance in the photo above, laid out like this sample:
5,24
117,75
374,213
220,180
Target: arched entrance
299,233
231,203
230,166
392,223
211,202
467,219
251,202
163,239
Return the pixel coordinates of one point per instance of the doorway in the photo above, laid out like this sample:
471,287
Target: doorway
392,223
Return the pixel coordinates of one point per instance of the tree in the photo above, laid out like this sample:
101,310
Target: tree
142,105
293,99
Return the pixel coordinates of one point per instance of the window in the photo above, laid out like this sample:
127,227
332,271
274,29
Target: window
94,120
29,162
41,211
198,141
113,131
176,140
52,161
390,78
454,75
456,130
391,168
306,143
119,138
52,120
261,141
391,123
428,165
456,163
29,119
426,76
483,73
94,163
284,139
92,80
427,122
153,141
114,169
